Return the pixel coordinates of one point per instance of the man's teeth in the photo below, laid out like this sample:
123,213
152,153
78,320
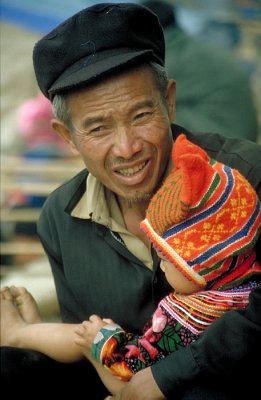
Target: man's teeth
132,171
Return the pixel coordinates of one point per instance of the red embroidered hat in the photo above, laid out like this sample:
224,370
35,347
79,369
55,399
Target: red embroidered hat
204,214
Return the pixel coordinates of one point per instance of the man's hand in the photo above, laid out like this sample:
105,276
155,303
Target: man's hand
142,386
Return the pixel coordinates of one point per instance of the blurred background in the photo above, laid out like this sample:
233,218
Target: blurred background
34,161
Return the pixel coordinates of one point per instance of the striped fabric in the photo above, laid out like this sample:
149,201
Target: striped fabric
197,311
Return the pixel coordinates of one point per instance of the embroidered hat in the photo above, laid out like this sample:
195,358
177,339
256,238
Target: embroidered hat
204,214
94,42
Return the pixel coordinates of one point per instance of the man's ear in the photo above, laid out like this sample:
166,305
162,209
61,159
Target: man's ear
65,134
171,99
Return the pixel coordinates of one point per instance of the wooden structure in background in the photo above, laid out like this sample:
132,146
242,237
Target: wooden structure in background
21,177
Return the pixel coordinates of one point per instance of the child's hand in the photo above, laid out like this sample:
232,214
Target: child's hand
87,330
108,320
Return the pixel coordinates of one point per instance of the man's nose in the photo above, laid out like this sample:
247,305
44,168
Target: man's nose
127,142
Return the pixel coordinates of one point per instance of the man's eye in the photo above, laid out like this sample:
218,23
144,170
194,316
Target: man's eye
97,129
142,115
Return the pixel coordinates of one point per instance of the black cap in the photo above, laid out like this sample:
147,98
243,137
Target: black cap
164,10
94,42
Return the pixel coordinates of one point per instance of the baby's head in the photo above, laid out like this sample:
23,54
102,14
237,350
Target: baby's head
205,219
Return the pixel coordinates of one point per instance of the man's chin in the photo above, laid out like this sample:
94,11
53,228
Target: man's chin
138,197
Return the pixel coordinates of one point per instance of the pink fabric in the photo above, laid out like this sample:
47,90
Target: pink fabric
34,123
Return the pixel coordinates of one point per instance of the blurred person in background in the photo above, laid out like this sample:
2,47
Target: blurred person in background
213,90
38,142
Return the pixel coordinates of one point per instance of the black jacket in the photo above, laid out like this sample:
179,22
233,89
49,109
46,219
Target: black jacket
95,274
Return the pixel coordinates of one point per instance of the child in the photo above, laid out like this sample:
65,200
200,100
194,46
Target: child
203,222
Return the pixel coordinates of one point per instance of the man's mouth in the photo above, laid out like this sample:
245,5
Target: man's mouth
131,171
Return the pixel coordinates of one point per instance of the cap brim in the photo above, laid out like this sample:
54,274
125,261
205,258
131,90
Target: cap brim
87,70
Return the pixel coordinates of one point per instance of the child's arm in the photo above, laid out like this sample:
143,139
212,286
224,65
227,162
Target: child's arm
113,384
85,334
56,340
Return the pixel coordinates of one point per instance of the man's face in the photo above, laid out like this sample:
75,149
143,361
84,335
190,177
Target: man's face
122,132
